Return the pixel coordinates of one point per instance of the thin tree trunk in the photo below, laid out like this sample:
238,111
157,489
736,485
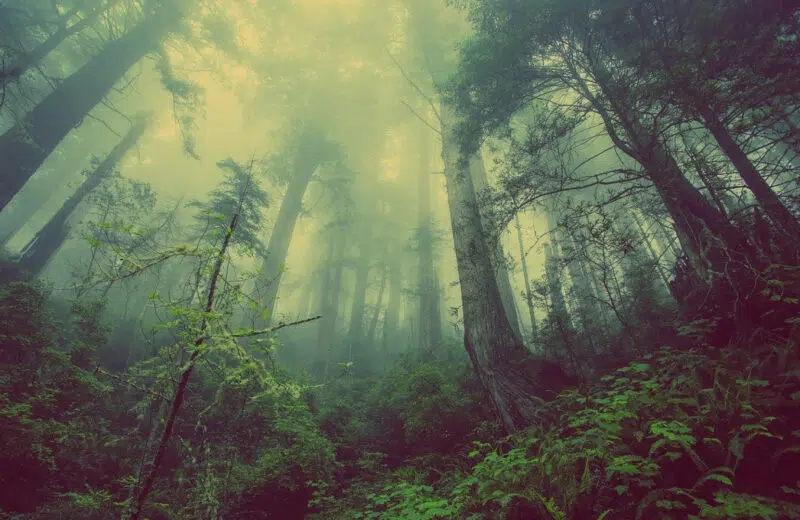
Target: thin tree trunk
44,245
177,401
373,325
429,321
513,380
653,254
25,146
357,310
391,320
766,197
32,58
330,313
523,259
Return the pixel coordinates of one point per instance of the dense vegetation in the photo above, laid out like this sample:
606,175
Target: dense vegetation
173,353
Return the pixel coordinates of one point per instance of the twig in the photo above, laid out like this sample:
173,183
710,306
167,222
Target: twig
420,118
416,87
252,333
99,370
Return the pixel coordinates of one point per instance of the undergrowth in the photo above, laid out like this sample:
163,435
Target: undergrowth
695,434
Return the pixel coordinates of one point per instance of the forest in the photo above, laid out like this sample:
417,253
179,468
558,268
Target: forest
399,259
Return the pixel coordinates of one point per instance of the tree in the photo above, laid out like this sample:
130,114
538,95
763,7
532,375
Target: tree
565,52
50,238
80,16
309,150
25,146
231,219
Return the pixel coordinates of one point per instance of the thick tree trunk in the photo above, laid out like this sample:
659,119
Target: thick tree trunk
481,182
305,164
513,379
25,146
41,249
766,197
694,216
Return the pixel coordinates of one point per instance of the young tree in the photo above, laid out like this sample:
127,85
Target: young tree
230,220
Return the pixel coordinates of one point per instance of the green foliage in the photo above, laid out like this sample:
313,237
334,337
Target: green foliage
679,434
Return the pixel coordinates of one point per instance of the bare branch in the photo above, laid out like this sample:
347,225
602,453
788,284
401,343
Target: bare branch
251,333
420,118
416,87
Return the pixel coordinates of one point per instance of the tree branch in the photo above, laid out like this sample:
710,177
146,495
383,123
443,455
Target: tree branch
251,333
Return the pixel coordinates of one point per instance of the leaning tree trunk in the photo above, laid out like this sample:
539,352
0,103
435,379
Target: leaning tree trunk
33,58
307,159
51,237
26,145
514,380
777,212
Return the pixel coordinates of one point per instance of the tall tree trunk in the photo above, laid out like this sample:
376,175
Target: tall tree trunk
304,306
481,182
355,334
702,171
25,146
391,321
373,324
766,197
523,259
514,381
41,249
330,305
177,401
429,321
646,238
307,158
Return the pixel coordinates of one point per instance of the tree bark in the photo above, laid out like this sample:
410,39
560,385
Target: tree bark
25,146
481,182
41,249
513,380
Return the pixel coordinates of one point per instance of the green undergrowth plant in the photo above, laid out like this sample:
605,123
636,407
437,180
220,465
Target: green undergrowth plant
679,434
